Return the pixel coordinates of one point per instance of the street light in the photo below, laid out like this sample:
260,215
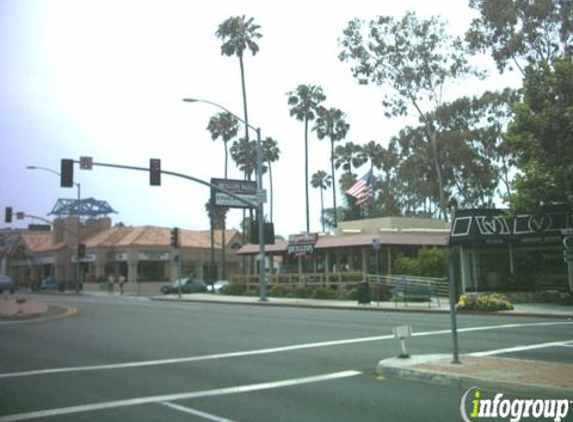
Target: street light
78,236
260,202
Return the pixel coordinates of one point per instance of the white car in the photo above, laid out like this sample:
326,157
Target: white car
217,286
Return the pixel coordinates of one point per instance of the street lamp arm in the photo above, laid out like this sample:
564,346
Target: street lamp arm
48,170
196,100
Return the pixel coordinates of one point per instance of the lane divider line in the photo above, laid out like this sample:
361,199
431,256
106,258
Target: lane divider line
195,412
280,349
521,348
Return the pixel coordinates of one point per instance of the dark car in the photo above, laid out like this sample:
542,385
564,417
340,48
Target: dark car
49,283
188,285
6,283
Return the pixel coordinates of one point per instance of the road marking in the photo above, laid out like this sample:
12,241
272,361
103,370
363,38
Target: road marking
194,412
174,397
281,349
521,348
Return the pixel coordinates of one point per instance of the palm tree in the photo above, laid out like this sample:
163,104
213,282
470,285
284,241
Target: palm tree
224,126
323,181
239,34
305,102
271,153
330,123
348,156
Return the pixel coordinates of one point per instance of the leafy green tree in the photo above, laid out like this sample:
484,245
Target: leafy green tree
271,154
238,34
331,124
321,180
522,32
542,136
304,104
413,61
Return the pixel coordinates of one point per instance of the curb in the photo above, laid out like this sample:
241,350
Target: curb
386,369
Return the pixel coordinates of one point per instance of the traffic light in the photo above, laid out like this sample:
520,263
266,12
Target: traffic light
155,172
175,237
67,173
8,215
81,250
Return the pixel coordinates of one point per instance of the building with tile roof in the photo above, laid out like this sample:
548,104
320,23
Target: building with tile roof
141,254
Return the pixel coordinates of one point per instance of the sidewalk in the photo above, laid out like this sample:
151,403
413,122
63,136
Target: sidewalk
505,375
547,310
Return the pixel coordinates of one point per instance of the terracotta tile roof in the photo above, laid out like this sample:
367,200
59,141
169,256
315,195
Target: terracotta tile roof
40,242
392,239
157,236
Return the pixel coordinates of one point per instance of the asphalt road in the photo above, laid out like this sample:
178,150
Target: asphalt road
130,359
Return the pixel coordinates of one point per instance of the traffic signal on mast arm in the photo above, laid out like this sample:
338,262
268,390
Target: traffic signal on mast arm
8,215
67,173
175,237
155,172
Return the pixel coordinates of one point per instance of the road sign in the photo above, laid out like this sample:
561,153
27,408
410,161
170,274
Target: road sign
244,189
568,255
567,232
261,196
376,243
86,163
568,242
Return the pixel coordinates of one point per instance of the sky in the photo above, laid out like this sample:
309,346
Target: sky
106,79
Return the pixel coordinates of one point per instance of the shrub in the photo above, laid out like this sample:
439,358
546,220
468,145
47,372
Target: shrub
428,263
324,293
302,292
278,291
484,302
233,290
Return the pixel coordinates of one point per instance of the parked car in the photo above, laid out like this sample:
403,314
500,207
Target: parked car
49,283
6,283
217,286
188,285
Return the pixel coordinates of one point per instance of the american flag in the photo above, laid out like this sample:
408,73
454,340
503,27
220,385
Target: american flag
362,189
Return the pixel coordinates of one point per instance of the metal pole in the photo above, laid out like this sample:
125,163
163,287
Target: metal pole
261,218
453,316
78,242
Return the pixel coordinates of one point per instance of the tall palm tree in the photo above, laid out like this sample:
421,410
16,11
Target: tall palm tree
271,153
224,126
331,123
305,101
238,34
322,181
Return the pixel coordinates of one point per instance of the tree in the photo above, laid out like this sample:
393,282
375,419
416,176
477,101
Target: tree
224,126
331,124
305,101
348,156
321,180
239,34
416,59
541,136
522,32
271,153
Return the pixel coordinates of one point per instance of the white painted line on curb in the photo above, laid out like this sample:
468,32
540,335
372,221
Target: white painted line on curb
521,348
194,412
174,397
281,349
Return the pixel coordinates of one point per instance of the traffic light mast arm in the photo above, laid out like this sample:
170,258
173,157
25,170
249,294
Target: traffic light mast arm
44,220
183,176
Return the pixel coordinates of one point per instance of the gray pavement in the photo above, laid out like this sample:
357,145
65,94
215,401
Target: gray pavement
516,376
